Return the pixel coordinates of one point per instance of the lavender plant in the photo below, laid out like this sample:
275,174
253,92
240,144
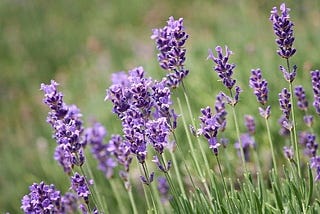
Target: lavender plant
149,135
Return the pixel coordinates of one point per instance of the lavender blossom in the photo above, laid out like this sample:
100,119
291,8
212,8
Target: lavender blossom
163,188
286,126
162,167
308,120
94,136
158,132
315,163
222,67
259,86
68,129
283,29
289,76
250,124
284,101
308,140
80,186
288,152
42,198
247,143
170,42
301,96
69,203
315,78
265,113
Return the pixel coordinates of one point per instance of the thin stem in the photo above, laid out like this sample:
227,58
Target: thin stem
271,146
297,154
223,181
133,204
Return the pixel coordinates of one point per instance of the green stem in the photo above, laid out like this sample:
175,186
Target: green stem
133,204
297,154
271,146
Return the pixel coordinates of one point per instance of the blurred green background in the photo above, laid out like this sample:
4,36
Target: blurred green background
80,43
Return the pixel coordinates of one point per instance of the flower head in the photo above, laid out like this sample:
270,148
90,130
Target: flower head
223,67
315,77
259,86
284,101
301,96
247,143
288,152
80,186
283,29
315,163
170,42
250,124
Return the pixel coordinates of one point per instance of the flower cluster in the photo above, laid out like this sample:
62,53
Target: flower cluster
285,106
211,123
144,107
259,86
223,68
45,198
170,42
315,78
67,125
80,186
283,29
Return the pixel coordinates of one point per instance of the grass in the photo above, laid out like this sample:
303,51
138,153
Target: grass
80,43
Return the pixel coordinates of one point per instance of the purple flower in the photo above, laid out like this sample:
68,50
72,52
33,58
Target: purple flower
265,113
80,186
308,120
163,188
161,167
288,152
247,143
289,76
158,132
147,181
69,203
67,124
283,29
284,101
170,42
301,96
286,126
42,198
222,67
308,140
95,136
315,163
315,78
259,86
250,124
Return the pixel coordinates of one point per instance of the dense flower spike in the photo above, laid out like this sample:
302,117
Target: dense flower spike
283,29
80,186
222,67
301,96
308,140
284,101
247,143
315,163
158,132
67,125
42,198
170,42
259,86
95,136
315,78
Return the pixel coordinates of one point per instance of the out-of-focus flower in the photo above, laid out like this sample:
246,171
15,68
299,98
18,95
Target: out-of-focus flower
247,143
315,78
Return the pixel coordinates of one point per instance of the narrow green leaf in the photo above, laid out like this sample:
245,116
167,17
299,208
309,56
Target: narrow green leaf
310,186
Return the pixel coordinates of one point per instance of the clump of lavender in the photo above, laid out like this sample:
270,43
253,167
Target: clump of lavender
42,198
170,42
68,129
222,67
211,123
315,78
283,29
260,89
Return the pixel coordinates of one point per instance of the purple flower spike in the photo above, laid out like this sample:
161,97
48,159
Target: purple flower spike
42,199
170,42
308,120
308,140
283,29
288,152
222,67
80,186
158,132
250,124
259,86
247,143
163,188
289,76
315,78
315,163
284,101
301,96
265,113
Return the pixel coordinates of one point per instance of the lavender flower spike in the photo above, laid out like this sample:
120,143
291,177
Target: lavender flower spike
259,86
315,77
80,186
284,101
223,68
301,96
283,29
